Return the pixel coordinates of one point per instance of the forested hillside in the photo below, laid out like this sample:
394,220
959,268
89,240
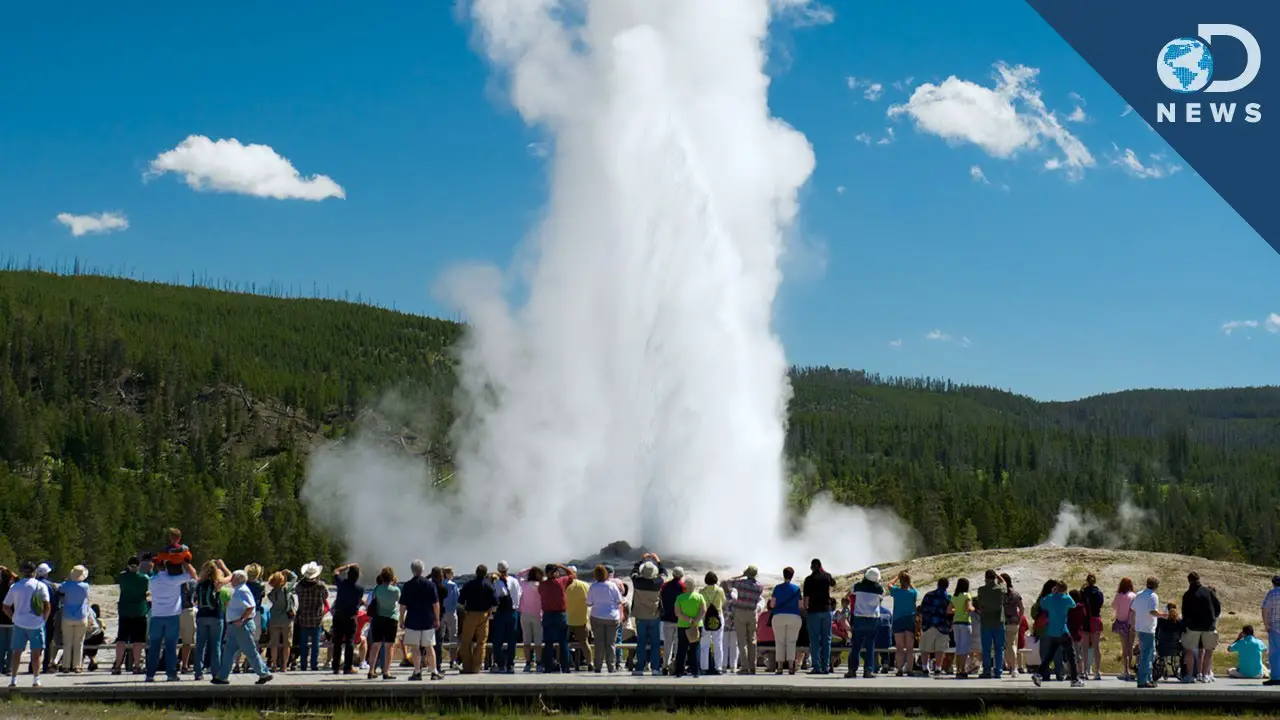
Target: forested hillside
126,407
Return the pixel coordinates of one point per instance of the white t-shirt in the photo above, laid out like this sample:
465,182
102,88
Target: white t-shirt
20,595
166,594
1145,603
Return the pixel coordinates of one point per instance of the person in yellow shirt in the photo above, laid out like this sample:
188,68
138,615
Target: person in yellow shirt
575,597
715,597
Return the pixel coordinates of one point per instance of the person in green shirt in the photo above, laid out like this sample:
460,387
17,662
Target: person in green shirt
132,631
385,622
991,610
691,607
962,627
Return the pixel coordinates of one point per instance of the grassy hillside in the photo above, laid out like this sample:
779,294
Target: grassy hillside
132,406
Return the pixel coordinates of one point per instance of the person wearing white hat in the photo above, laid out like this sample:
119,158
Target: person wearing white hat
53,626
27,602
866,594
75,614
312,594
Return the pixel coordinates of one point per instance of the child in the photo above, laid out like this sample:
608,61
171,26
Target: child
1250,650
175,552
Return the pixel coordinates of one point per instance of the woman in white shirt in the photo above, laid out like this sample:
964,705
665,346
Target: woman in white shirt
605,602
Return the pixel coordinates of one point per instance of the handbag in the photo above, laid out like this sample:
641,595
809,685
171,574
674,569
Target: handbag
693,633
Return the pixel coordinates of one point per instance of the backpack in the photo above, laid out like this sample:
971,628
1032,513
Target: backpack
291,604
208,598
712,621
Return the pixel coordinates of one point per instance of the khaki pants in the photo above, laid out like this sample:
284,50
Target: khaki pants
744,627
73,634
606,634
471,641
786,633
579,638
1011,647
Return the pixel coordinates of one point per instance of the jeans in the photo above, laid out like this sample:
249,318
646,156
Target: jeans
555,631
820,640
242,640
1273,652
344,633
1049,648
6,651
864,636
208,635
1146,654
649,644
993,651
505,633
309,648
163,629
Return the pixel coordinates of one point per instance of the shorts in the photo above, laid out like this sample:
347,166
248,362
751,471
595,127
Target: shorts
187,627
420,638
449,626
383,630
904,623
531,628
280,636
1095,625
935,641
132,631
24,639
1194,639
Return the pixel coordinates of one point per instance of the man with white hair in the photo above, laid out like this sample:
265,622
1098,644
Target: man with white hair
53,626
419,614
27,602
866,595
672,589
504,625
242,632
646,578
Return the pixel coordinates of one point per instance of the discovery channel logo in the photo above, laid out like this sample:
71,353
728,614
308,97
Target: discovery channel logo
1185,65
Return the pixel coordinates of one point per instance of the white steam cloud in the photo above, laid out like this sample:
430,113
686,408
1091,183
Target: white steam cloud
1074,525
639,392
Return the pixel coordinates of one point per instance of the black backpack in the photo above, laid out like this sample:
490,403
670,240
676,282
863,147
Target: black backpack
208,598
712,621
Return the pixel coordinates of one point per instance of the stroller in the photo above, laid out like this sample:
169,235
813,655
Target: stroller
1169,658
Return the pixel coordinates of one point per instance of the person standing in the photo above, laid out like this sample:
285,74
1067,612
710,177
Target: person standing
646,579
419,610
1145,610
555,623
7,579
784,618
866,596
1123,625
166,607
1013,621
962,627
1094,600
530,612
817,601
747,592
672,589
383,623
242,632
712,627
1057,636
935,626
312,595
214,576
990,606
905,598
691,608
131,633
75,619
579,618
1271,620
478,601
347,601
28,603
505,626
1200,610
605,602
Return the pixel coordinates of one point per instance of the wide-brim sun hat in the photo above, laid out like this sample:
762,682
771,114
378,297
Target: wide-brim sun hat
751,571
79,573
648,570
311,570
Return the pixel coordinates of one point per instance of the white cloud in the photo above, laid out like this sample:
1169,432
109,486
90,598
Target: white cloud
873,91
937,335
888,137
851,82
228,166
903,84
1077,115
1233,325
94,224
975,172
839,189
1155,169
804,13
896,344
863,138
1273,323
1002,120
538,149
866,139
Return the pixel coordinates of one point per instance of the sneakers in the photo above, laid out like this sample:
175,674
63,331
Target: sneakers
1077,683
263,680
415,677
437,676
13,682
1037,679
36,683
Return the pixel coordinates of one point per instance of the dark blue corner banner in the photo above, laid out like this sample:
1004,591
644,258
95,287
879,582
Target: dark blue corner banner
1203,75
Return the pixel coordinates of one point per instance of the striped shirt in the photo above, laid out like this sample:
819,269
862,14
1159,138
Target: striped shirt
748,595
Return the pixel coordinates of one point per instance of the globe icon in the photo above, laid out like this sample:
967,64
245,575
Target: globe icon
1185,65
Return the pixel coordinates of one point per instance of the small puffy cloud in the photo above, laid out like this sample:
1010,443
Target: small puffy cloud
1273,323
888,137
94,224
804,13
1154,169
873,91
1078,115
976,174
1002,120
229,166
903,84
863,138
538,149
941,337
896,344
1231,326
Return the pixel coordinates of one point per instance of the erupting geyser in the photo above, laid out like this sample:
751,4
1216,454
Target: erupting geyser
639,391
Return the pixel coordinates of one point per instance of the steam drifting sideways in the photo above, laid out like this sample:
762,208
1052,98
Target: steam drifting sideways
639,392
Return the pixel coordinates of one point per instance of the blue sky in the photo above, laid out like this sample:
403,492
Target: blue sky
1034,281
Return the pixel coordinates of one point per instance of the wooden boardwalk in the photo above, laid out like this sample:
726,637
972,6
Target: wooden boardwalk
623,689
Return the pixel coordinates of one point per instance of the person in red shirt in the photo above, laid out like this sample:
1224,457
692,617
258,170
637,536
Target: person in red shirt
555,619
1078,627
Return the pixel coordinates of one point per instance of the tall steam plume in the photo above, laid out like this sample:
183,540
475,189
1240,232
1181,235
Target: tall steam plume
639,392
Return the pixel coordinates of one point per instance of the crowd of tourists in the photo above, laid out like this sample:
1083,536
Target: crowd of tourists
217,622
